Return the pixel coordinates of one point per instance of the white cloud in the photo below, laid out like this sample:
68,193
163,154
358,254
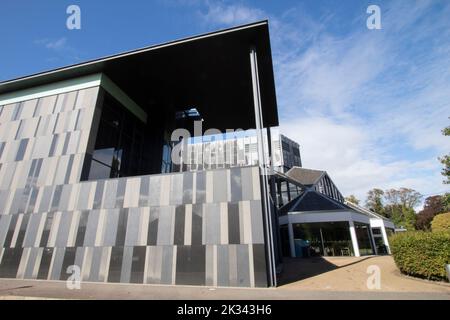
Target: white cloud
367,107
219,13
57,45
354,160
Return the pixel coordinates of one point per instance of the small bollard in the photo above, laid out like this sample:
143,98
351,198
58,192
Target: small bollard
447,267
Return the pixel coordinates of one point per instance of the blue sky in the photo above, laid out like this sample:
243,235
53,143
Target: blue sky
366,105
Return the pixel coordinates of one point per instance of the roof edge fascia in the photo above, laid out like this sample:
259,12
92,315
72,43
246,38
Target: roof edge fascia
136,51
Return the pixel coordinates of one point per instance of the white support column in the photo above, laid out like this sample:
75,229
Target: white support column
372,241
385,239
354,239
291,240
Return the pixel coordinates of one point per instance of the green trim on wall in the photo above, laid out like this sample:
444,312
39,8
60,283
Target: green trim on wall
51,89
123,98
94,80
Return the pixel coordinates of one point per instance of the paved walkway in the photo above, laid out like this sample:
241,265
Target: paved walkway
346,280
350,274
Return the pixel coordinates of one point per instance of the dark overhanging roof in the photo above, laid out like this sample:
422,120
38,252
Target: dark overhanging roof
210,72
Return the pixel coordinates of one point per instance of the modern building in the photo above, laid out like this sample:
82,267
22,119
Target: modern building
290,151
238,149
320,222
84,156
94,171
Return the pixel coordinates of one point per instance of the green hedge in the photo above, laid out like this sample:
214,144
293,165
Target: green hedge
422,254
441,222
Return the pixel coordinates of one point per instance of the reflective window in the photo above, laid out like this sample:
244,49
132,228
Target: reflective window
119,143
325,239
364,239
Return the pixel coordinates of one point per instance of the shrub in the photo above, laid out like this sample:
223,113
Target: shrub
441,222
422,254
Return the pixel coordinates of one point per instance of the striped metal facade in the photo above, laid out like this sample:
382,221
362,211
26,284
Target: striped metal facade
192,228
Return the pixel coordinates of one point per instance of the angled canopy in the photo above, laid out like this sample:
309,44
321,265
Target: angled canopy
210,72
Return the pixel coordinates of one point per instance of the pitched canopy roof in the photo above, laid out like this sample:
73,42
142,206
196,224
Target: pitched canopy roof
305,176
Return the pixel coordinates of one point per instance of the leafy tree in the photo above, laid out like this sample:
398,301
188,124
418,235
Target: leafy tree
401,216
433,206
374,201
446,202
351,198
445,160
406,197
400,205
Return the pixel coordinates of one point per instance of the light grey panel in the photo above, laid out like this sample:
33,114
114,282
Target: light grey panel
95,266
176,189
91,229
257,222
65,197
57,263
220,185
112,218
4,195
247,183
166,225
126,264
212,223
110,194
45,200
33,259
83,198
243,271
167,264
33,225
63,229
4,227
155,191
209,268
232,256
154,264
17,202
223,277
134,215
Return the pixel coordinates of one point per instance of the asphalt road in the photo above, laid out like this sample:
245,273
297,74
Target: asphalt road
19,289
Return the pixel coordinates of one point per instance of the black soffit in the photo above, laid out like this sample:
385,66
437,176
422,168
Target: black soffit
210,72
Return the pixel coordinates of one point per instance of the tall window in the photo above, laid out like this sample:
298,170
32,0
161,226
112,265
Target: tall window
364,239
119,144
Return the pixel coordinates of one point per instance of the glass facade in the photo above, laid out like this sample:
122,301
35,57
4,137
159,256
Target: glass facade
285,190
119,143
290,154
322,239
327,187
364,239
